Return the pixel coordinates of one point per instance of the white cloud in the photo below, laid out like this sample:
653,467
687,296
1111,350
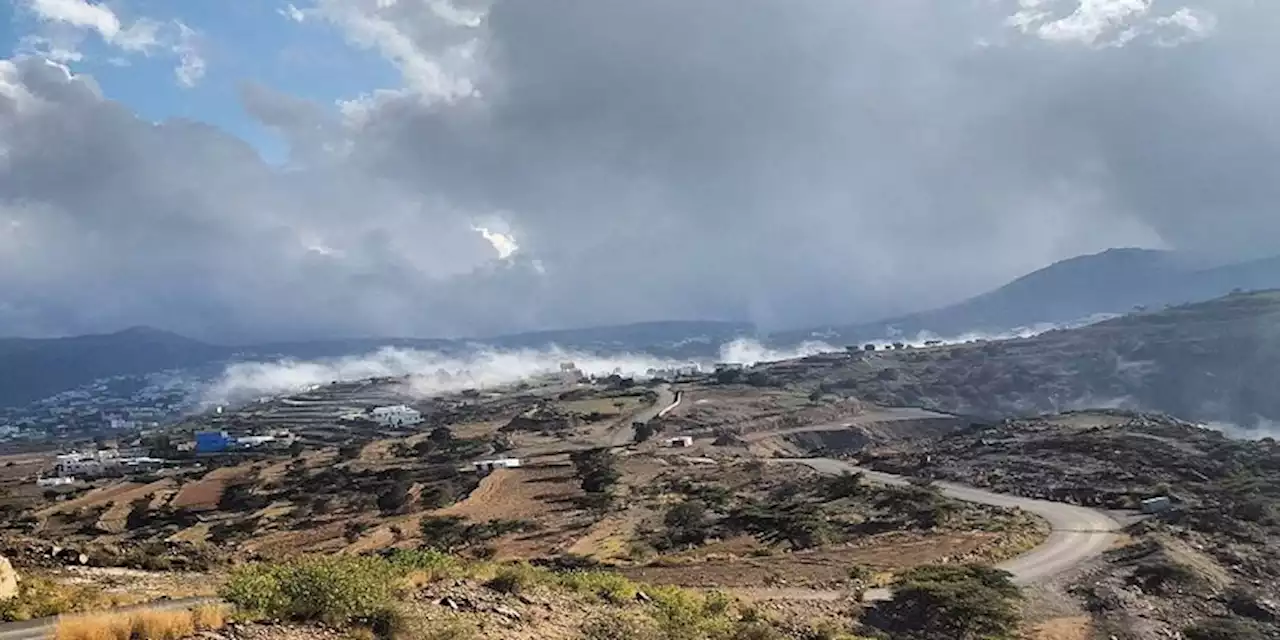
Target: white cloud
433,44
503,243
1108,23
293,13
142,36
191,67
793,163
79,13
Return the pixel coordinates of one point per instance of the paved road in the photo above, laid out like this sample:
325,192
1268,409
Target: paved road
43,627
1077,533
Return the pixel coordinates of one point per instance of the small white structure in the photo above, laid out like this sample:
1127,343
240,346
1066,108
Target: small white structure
488,466
1157,504
680,442
252,442
87,463
396,416
58,481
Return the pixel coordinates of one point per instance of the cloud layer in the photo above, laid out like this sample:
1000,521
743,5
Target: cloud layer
431,373
784,162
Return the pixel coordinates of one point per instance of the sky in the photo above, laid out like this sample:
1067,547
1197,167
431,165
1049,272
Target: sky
263,170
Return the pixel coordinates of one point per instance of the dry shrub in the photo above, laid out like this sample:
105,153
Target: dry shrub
141,625
209,617
163,625
103,626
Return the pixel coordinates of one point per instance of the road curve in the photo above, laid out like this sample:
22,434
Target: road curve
624,433
42,628
1077,534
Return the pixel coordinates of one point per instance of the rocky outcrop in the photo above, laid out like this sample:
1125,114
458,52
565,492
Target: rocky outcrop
8,580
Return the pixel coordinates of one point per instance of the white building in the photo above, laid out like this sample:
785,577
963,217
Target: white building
396,416
87,463
680,442
487,466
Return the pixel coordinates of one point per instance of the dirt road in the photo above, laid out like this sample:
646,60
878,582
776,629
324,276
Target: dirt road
623,433
1077,533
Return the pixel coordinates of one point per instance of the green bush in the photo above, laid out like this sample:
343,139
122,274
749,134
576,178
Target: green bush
608,586
960,602
334,590
432,564
518,578
619,626
1225,629
684,615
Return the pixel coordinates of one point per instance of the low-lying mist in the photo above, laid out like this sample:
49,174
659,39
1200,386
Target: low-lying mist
432,373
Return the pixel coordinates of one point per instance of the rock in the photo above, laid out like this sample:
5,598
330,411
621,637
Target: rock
8,580
526,599
506,612
643,597
449,602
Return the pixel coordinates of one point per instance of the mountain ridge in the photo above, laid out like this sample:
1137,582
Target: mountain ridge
1114,281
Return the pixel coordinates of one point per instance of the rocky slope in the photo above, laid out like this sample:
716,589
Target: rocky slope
1216,361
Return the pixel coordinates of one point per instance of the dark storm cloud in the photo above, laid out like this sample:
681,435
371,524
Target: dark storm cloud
786,162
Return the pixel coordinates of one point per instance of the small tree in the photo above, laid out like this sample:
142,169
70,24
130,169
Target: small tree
139,513
395,498
644,431
597,469
960,602
687,523
441,436
845,485
444,533
759,379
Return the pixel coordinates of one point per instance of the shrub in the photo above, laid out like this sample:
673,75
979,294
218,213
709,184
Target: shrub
963,602
687,523
517,578
685,615
331,589
1225,629
100,627
209,617
610,587
40,598
597,469
427,560
1157,576
845,485
163,625
643,431
141,625
395,498
619,626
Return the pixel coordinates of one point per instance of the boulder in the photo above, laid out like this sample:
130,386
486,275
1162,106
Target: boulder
8,580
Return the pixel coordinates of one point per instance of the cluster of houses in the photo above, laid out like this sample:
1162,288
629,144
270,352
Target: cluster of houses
390,416
221,441
93,464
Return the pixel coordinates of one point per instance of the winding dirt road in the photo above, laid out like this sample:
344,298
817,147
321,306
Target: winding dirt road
1077,534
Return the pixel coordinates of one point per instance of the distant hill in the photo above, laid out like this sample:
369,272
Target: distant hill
1112,282
1214,361
676,338
31,369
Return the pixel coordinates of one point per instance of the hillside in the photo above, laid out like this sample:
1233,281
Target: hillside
1112,282
1211,361
31,369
